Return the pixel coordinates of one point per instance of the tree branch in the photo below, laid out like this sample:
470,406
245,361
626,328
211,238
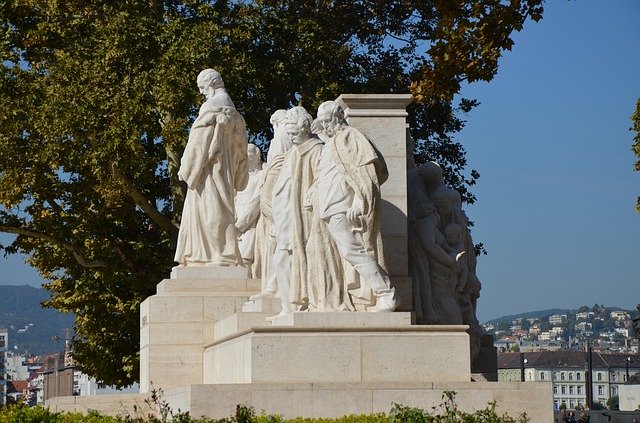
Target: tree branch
146,206
82,261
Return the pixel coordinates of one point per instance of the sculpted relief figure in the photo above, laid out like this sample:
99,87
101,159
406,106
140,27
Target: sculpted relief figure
214,166
347,191
441,252
248,207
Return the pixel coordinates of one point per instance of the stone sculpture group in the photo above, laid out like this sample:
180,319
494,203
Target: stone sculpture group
307,222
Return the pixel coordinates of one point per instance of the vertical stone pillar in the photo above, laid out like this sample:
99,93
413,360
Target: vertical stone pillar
383,119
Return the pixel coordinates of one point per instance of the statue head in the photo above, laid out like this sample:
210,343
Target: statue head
209,79
298,124
254,156
277,117
453,233
331,117
443,198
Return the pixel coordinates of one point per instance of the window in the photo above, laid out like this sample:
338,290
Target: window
613,377
555,375
555,389
530,376
599,376
600,390
614,391
572,404
541,375
579,390
562,376
563,389
571,390
578,376
570,376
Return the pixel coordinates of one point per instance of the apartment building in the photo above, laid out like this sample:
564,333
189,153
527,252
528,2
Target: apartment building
567,371
4,345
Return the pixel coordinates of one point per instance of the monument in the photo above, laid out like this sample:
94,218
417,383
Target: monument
362,288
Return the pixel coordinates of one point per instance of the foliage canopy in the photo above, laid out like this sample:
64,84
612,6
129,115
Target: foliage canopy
97,99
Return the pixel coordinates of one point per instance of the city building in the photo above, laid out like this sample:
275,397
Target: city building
4,345
558,319
567,371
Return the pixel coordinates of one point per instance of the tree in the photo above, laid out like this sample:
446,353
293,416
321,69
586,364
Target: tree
613,403
98,97
635,120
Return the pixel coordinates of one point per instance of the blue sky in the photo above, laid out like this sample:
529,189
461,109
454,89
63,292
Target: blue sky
551,141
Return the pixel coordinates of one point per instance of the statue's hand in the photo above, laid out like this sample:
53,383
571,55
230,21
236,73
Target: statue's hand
222,119
354,214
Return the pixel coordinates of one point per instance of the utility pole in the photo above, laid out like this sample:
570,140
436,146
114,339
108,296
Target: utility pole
589,381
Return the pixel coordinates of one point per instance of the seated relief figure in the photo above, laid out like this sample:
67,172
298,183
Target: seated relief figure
442,255
347,200
214,166
248,208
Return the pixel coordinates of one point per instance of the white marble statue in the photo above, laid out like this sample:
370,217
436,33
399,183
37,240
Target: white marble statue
265,242
347,190
441,251
303,242
248,207
214,166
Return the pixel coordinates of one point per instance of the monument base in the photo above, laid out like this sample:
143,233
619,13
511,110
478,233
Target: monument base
331,400
335,347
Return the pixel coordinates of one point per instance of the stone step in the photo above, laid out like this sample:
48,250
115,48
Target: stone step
263,305
343,319
239,322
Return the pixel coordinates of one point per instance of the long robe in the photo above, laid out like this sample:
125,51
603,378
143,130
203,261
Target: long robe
364,170
214,165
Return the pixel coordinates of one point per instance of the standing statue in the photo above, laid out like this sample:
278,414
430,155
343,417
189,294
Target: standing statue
347,187
303,242
248,207
214,166
265,243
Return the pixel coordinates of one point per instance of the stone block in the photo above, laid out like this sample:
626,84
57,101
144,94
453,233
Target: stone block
239,322
215,286
209,272
332,400
343,320
308,353
263,305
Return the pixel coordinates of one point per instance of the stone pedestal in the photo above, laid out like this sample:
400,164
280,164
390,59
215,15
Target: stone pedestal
383,119
180,319
338,347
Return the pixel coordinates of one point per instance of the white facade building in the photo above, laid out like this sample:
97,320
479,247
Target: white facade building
567,370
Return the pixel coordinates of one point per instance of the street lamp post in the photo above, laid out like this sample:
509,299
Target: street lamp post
626,362
523,361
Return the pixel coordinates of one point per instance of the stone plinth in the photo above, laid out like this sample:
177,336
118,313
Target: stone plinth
340,347
209,272
331,400
383,119
179,320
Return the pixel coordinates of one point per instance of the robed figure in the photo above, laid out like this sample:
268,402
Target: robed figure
214,166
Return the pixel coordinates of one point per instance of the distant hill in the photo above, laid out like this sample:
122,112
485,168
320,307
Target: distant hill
530,315
539,314
31,327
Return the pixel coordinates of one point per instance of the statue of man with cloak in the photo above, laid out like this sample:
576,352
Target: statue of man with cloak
347,187
214,166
